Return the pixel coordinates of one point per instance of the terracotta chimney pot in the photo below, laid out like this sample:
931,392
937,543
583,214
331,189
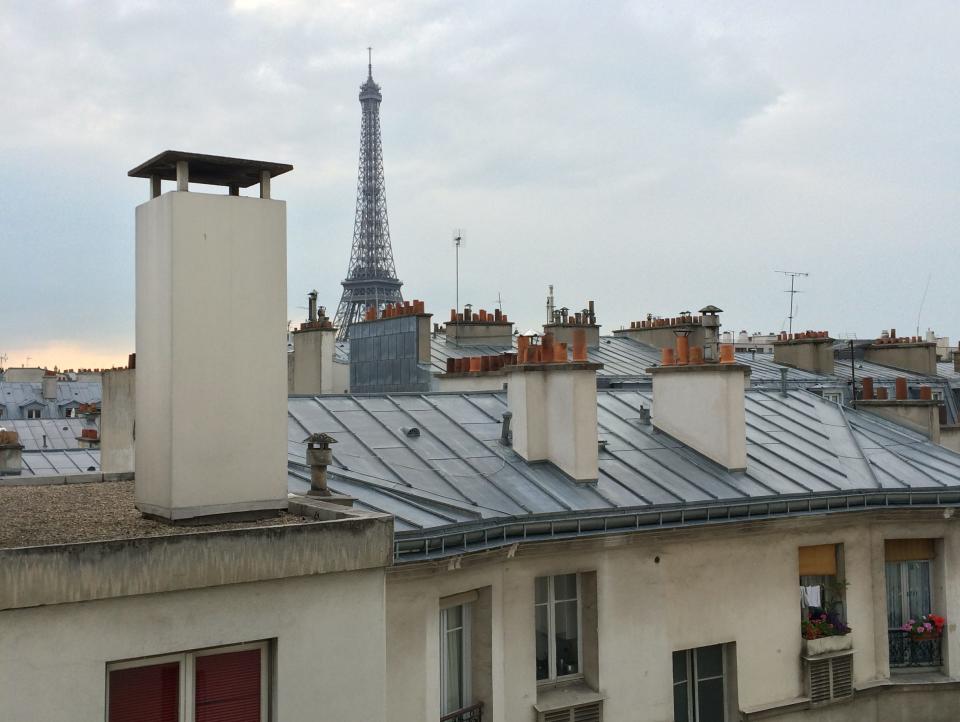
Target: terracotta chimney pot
901,388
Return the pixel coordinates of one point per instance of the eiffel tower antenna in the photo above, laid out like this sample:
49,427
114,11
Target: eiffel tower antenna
371,276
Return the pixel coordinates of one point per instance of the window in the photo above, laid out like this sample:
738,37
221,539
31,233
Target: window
835,397
214,685
700,685
822,588
33,413
454,658
70,412
936,394
908,591
557,606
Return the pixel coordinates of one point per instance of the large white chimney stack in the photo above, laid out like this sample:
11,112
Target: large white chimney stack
701,404
553,403
211,401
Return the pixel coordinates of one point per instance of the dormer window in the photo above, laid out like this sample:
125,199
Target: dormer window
33,412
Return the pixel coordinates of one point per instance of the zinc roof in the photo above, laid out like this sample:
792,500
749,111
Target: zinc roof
457,472
15,395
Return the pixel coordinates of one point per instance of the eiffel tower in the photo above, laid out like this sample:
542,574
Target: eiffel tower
371,277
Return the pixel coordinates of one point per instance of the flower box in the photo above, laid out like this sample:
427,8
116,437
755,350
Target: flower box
824,645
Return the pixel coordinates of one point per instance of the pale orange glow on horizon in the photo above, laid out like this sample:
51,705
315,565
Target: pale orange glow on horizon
68,355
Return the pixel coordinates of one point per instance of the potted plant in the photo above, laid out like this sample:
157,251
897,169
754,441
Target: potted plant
824,633
929,626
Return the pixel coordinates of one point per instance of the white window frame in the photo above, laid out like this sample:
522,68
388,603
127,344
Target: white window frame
187,675
34,410
552,676
465,649
835,397
936,394
693,711
70,412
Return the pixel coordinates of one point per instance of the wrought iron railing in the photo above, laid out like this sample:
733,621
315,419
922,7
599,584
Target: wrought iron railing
908,651
473,713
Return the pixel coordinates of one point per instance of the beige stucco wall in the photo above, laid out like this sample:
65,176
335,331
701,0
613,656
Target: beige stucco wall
341,377
23,374
117,427
815,355
211,358
703,407
328,629
491,334
710,586
555,415
663,337
918,357
920,416
313,351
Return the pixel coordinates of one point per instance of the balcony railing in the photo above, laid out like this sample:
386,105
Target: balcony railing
473,713
905,651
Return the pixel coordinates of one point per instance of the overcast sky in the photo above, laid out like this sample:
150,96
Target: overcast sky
655,157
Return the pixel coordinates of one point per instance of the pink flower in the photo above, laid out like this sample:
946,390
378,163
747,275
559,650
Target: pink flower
928,625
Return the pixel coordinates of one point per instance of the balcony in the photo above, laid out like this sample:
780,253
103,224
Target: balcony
906,651
473,713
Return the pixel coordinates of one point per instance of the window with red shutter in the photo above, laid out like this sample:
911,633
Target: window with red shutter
228,687
145,694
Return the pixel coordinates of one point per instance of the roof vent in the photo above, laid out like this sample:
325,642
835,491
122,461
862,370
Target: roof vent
412,431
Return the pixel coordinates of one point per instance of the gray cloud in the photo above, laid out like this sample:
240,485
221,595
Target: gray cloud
653,156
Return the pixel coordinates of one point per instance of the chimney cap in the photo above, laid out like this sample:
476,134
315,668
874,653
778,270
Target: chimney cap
214,170
320,438
710,309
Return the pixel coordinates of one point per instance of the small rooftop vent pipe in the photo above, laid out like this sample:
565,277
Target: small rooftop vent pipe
312,306
644,415
506,435
319,457
783,382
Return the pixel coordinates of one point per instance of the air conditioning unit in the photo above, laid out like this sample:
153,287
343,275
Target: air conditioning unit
592,712
829,677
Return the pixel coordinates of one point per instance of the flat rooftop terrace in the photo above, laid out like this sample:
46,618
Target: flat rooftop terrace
41,515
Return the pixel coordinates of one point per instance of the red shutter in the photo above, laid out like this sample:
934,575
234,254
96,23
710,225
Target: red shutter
145,694
228,687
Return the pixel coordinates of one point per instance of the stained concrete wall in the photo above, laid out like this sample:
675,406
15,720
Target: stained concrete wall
658,593
117,424
211,363
814,355
918,357
563,333
477,332
469,382
328,631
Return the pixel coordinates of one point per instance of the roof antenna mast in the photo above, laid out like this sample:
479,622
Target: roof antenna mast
793,275
369,62
457,242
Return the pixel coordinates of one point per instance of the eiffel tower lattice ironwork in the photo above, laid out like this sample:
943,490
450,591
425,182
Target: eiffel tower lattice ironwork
371,277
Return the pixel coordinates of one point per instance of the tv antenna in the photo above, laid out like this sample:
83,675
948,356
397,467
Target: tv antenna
499,301
457,242
923,300
793,275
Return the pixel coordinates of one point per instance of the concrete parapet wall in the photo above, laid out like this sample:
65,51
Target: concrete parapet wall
64,573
